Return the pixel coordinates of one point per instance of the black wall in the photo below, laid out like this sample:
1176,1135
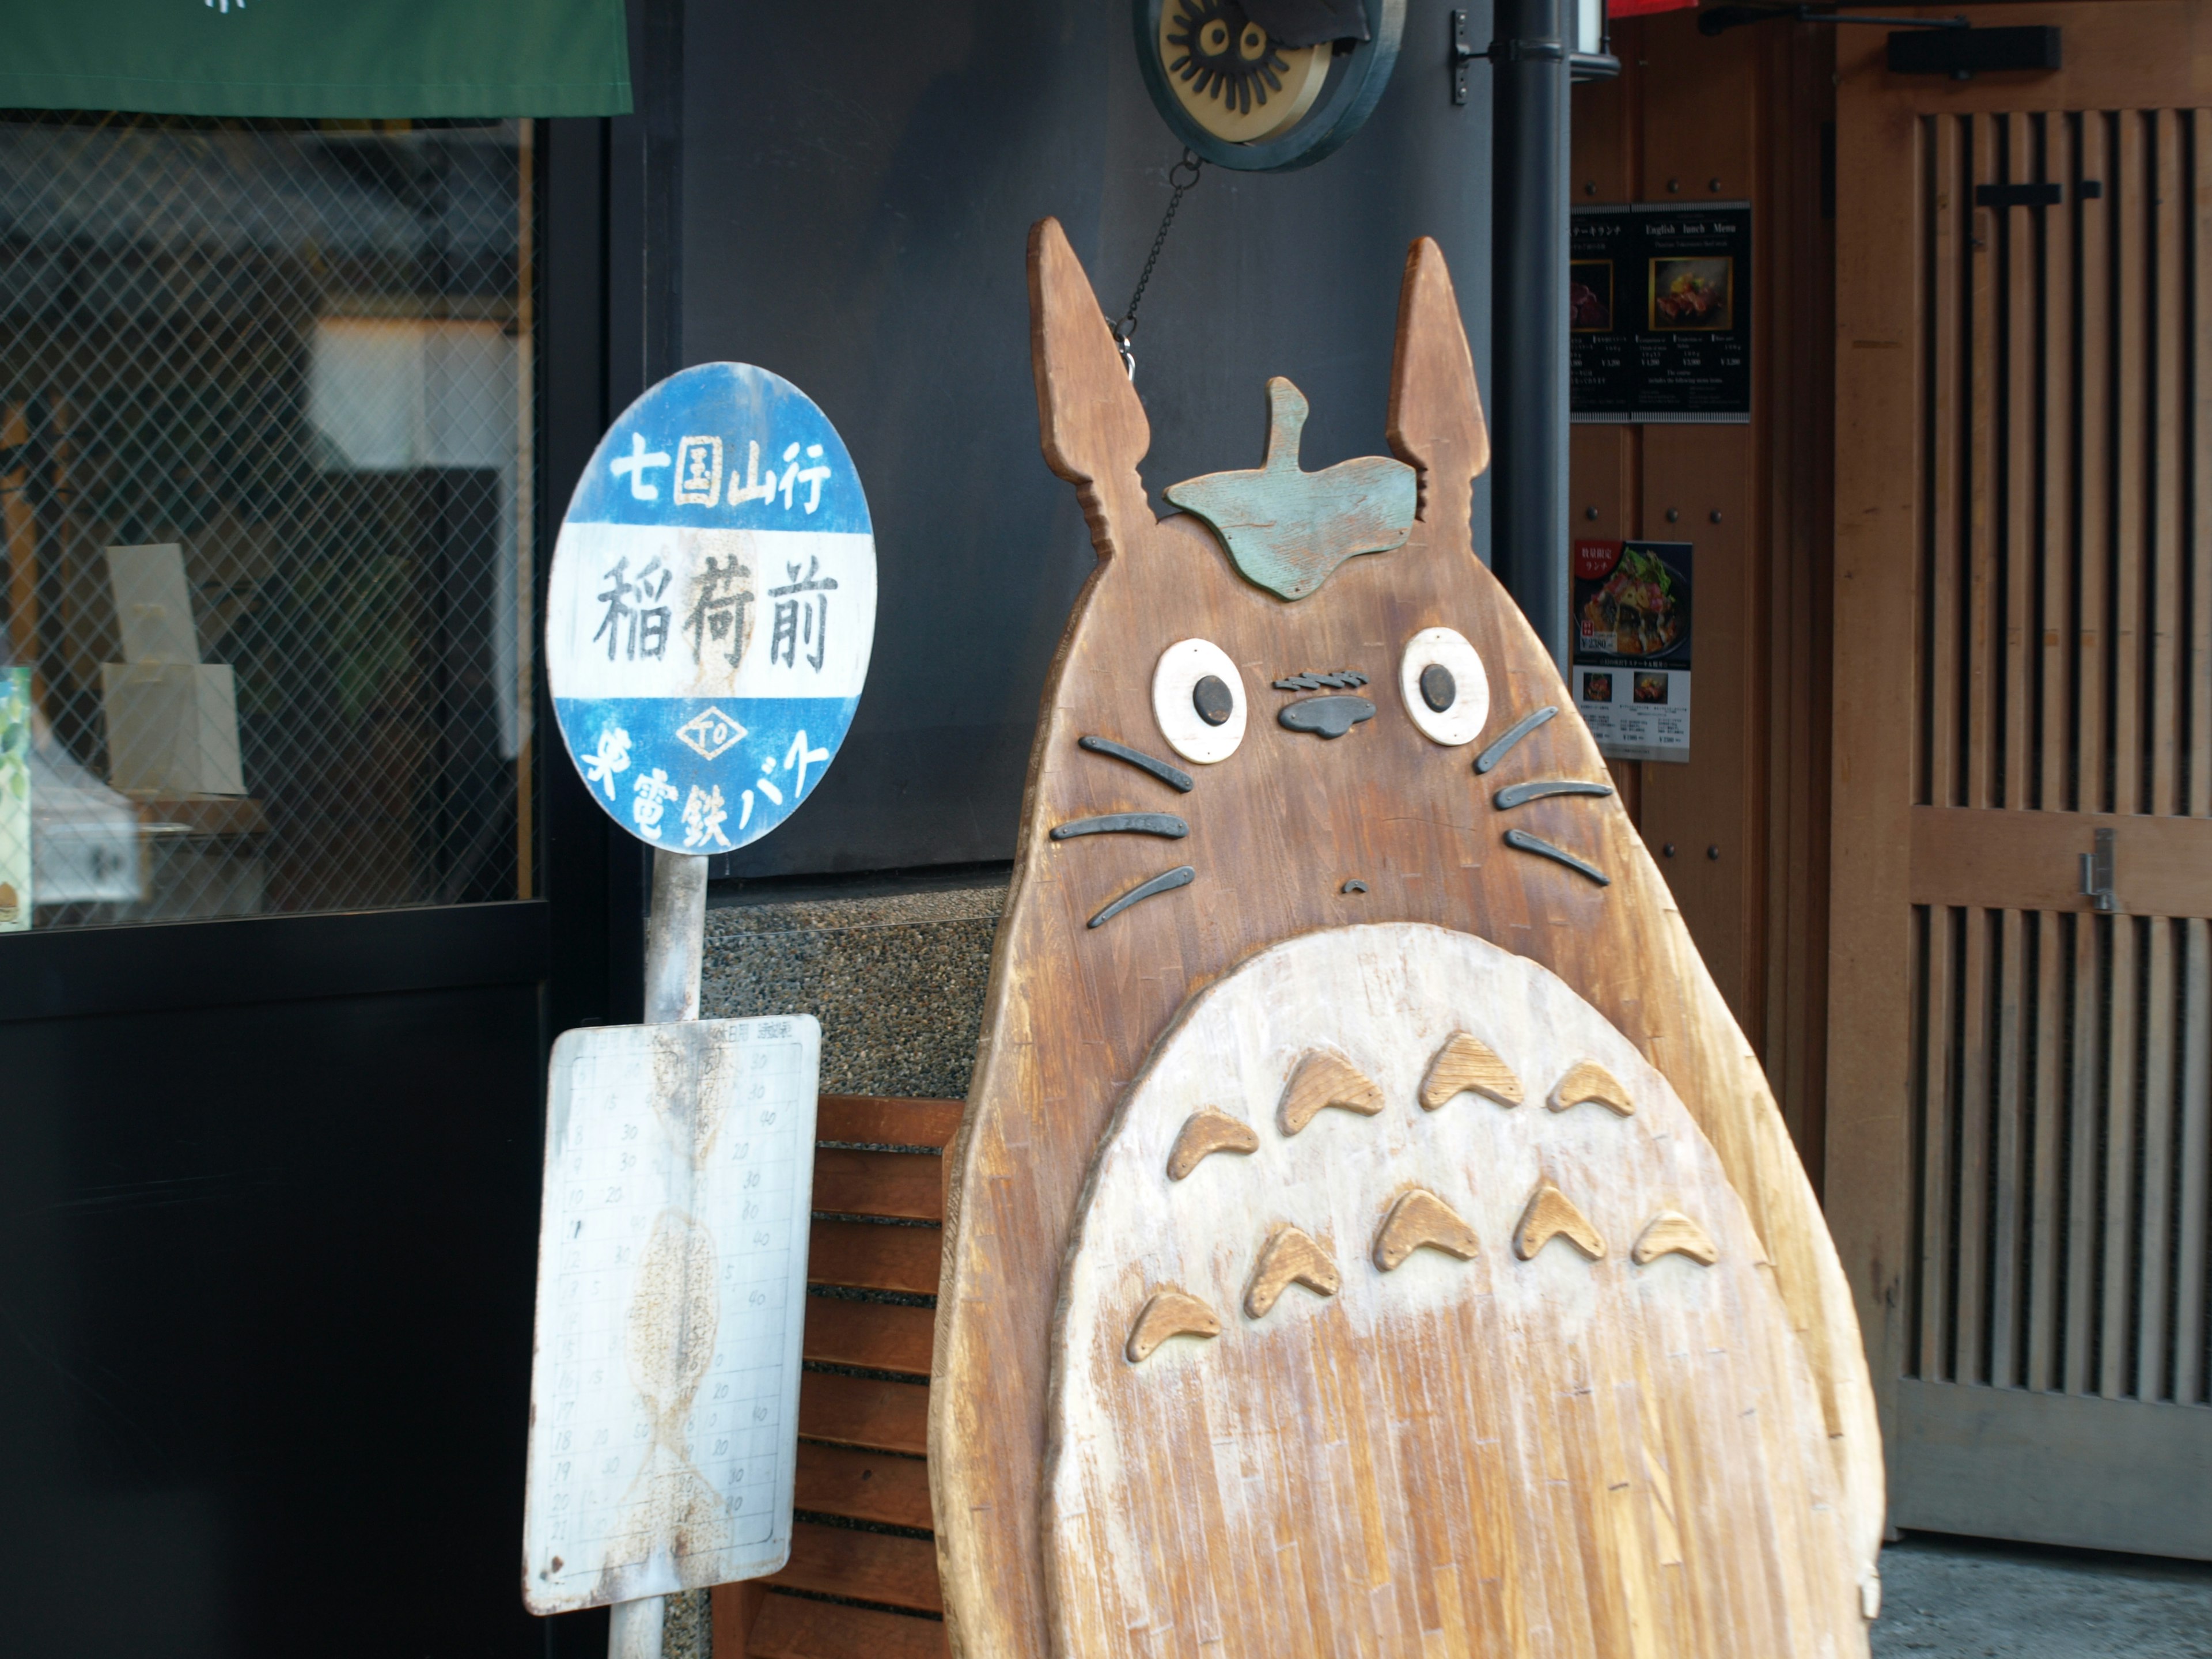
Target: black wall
857,183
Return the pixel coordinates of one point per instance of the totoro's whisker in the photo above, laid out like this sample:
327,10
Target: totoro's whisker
1519,794
1165,883
1522,841
1520,729
1174,776
1123,824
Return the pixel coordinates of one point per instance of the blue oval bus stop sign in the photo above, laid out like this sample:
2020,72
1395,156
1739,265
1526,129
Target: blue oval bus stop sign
711,608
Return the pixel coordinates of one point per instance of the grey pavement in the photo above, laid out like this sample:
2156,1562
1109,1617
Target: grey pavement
1956,1598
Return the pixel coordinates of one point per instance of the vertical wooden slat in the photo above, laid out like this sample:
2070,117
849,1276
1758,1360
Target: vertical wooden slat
1939,669
2084,1127
2016,413
2165,365
2054,501
2196,661
2130,192
1979,441
1885,183
2092,459
1935,1162
2047,1191
2155,1237
2131,348
2116,1269
2014,441
1970,1233
2007,1178
2190,1290
2055,494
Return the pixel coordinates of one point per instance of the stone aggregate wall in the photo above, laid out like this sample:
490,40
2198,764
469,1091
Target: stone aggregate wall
897,981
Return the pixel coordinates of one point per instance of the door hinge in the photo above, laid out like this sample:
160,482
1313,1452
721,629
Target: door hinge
2098,870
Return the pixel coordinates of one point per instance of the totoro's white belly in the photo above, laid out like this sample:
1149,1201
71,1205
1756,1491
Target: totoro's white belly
1455,1449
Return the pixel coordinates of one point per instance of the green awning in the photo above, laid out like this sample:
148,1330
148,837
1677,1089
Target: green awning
336,59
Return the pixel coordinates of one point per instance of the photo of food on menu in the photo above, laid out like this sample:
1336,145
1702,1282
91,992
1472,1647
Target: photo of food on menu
1632,646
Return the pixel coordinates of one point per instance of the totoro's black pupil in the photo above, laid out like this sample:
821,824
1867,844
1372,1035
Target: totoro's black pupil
1438,687
1211,700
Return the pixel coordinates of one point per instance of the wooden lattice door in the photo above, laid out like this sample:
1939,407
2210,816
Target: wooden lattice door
2022,988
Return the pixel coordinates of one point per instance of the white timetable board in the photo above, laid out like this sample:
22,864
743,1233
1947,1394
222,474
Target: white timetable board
671,1298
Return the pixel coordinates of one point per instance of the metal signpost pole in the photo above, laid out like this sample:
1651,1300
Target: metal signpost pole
675,940
675,931
1528,513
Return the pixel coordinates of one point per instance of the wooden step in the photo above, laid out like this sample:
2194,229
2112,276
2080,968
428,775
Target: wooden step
875,1256
879,1336
906,1185
864,1411
863,1566
788,1627
883,1120
863,1485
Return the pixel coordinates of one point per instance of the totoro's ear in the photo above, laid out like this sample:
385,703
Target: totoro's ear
1094,427
1436,412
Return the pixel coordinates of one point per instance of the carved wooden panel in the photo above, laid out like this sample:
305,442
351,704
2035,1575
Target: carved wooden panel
1346,787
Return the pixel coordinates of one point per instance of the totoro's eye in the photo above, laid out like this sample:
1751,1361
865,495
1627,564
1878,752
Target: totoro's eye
1197,698
1445,690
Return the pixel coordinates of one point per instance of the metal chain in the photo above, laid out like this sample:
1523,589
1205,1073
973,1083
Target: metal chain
1126,328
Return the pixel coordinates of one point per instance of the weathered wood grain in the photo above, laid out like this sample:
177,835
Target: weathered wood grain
887,1121
865,1256
906,1185
862,1486
790,1627
877,1336
864,1411
1278,831
874,1566
1479,1437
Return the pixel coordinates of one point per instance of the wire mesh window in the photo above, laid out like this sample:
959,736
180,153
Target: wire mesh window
266,498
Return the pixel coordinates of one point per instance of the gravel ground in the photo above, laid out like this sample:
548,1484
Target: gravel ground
1957,1598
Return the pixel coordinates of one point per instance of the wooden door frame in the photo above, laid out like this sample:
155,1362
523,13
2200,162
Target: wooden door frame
1881,427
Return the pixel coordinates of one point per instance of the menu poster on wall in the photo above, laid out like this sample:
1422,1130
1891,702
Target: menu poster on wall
1632,647
1659,310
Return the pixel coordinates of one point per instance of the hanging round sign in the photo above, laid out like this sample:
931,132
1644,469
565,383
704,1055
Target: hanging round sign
711,608
1265,86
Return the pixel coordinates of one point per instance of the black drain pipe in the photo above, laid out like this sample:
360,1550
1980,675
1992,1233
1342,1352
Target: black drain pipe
1530,71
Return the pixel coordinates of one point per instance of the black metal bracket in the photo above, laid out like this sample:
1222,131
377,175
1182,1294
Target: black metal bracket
1581,65
1462,54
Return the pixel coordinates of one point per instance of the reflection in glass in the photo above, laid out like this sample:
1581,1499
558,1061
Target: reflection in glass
266,506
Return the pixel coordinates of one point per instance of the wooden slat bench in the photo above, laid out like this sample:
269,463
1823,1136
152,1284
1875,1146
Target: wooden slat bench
851,1591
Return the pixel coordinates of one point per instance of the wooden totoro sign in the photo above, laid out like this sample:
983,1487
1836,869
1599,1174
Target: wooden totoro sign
1370,1231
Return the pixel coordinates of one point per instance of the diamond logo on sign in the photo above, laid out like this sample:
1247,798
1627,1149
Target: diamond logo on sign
712,609
711,732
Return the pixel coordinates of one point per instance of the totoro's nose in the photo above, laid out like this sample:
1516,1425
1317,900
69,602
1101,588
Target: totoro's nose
1326,717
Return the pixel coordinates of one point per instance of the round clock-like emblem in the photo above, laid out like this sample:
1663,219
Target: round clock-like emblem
1266,85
